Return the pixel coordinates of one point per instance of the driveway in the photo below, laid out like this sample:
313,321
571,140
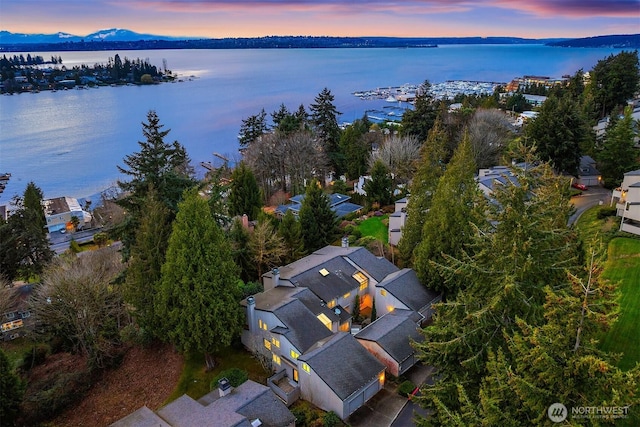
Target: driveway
592,197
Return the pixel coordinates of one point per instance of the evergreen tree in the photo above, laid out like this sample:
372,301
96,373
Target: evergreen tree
618,154
560,133
613,81
239,240
420,120
449,224
158,165
354,148
252,128
145,264
199,297
431,167
379,188
527,248
244,193
32,202
291,233
11,391
318,223
324,119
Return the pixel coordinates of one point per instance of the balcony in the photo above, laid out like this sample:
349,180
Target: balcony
284,388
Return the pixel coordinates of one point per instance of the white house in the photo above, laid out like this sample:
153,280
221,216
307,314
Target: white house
58,213
627,199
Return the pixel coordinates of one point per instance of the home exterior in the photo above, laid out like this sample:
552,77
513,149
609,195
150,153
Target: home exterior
627,202
397,221
389,339
17,318
59,211
339,203
588,174
304,316
250,404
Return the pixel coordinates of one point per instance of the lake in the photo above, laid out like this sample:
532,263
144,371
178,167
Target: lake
70,142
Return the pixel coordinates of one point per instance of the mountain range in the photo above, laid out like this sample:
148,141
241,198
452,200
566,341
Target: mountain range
112,34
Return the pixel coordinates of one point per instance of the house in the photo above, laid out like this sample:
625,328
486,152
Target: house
250,404
305,314
389,339
587,173
16,318
397,221
627,198
339,203
340,375
59,212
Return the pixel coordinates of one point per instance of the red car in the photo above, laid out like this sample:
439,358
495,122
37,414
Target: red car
579,186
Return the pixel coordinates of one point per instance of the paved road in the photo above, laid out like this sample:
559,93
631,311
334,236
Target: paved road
59,242
592,197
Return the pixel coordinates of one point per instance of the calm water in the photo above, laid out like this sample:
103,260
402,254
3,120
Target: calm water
69,142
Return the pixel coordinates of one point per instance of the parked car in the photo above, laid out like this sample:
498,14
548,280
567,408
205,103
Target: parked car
580,186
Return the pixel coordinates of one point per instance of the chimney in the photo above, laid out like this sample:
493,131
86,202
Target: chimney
245,221
251,314
224,387
276,277
345,242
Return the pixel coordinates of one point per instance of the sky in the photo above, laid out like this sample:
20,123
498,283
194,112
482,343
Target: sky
397,18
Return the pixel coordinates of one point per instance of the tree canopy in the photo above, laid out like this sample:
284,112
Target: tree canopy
324,119
244,193
618,155
318,223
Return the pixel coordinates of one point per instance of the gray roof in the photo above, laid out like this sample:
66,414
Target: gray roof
633,173
393,332
330,286
405,286
143,417
378,268
328,361
303,327
317,307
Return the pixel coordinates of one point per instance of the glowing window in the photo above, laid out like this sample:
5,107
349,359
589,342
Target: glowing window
383,292
347,295
324,272
295,375
276,359
345,327
362,279
262,325
294,354
331,304
325,320
306,368
267,344
275,341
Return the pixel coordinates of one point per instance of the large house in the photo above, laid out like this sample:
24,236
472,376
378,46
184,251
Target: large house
16,318
339,203
250,404
627,198
59,212
302,325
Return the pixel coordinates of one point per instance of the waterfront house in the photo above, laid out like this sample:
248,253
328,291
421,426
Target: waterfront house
59,212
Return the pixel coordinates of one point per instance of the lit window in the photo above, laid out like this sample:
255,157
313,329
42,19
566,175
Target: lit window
331,304
276,359
362,279
325,320
324,272
383,292
294,354
262,325
267,344
275,341
345,327
295,375
306,368
347,295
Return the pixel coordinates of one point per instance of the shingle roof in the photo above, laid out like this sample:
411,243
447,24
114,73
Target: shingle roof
405,286
328,362
303,327
335,282
254,400
378,268
143,417
632,173
393,333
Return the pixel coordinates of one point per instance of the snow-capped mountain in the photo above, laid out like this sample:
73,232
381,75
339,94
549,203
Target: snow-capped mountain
112,34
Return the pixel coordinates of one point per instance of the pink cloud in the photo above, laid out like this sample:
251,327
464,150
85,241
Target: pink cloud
574,8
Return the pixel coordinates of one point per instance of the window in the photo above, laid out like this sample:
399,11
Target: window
275,341
331,303
362,279
383,292
267,344
25,314
276,359
347,295
295,375
262,325
306,368
325,320
294,354
345,327
10,315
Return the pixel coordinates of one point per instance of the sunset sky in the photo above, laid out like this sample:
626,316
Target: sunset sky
229,18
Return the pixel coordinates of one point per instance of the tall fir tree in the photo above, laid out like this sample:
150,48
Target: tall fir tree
618,154
158,164
355,149
324,119
199,297
244,194
431,167
291,233
524,247
379,188
252,128
318,223
450,223
144,270
418,121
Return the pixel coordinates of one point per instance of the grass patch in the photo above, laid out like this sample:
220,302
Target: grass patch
195,379
16,349
376,227
590,226
623,266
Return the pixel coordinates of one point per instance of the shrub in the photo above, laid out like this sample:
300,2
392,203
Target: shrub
235,376
406,388
605,212
330,419
74,247
35,356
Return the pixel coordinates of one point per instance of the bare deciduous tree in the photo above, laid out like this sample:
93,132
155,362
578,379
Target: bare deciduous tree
78,303
489,132
399,154
267,248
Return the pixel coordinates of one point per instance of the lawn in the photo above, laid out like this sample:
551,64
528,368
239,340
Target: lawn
195,380
623,266
376,226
